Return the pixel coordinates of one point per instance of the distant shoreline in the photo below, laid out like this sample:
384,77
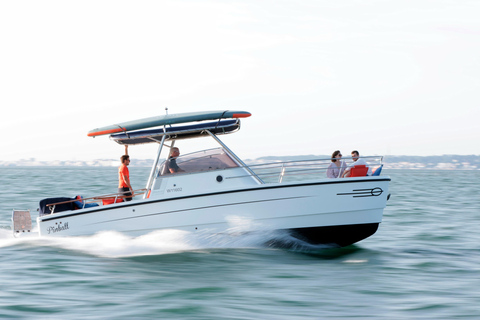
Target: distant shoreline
443,162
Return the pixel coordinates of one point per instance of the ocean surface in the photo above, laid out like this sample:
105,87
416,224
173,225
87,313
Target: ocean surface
423,262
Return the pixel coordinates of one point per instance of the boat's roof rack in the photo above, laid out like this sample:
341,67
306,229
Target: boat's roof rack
176,132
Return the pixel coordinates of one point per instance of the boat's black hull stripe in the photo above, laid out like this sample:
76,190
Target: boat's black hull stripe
341,236
135,203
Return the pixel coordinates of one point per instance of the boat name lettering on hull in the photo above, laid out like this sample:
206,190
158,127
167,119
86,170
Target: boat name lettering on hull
60,227
174,190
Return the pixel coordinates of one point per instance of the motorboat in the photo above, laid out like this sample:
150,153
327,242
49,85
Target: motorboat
215,188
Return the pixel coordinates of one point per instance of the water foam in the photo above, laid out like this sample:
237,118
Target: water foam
243,233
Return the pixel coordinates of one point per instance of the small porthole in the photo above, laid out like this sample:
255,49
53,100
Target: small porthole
219,178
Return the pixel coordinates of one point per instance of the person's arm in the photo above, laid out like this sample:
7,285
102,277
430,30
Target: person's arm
126,149
173,166
127,181
342,168
169,167
346,172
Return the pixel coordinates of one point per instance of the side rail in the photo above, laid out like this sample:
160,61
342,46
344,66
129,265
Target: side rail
306,169
81,203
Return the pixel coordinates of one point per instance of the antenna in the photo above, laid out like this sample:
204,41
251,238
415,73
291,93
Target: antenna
166,111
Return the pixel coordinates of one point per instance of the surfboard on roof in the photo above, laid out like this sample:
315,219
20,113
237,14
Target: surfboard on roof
167,120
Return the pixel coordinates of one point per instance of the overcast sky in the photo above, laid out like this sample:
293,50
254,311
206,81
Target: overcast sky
384,77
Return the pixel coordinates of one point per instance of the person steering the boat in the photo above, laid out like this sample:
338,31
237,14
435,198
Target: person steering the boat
124,186
172,161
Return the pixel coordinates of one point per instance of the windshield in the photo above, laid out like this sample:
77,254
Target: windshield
213,159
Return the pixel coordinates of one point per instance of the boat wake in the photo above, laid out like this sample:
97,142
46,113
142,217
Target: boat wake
113,244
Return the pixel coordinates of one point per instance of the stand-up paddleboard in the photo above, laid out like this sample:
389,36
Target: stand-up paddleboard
166,120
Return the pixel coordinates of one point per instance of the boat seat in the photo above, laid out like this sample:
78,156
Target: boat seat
44,209
80,203
377,171
359,171
111,200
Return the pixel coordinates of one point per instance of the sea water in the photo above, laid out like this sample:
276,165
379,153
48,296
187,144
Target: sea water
423,262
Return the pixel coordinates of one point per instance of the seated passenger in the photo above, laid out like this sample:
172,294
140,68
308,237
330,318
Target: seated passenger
356,162
171,163
336,168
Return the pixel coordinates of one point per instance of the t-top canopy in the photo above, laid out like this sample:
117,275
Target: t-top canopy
178,132
168,120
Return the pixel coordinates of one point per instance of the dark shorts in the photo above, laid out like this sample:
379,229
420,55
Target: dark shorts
125,192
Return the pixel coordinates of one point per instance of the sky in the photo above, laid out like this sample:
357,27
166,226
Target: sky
383,77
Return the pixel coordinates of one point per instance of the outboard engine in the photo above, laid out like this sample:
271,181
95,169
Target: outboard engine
21,221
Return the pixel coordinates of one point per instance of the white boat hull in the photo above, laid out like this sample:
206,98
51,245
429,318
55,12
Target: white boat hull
327,211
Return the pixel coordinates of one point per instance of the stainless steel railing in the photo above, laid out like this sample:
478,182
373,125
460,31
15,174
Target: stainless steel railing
280,171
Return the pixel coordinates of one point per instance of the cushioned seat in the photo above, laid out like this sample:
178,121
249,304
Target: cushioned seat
45,209
359,171
377,171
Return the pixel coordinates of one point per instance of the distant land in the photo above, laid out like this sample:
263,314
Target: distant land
443,162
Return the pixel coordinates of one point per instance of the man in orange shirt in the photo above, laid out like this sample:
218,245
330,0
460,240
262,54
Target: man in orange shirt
124,186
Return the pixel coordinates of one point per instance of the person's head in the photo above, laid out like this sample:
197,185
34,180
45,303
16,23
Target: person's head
174,152
336,155
355,155
125,159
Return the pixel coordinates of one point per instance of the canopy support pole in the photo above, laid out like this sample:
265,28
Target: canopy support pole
154,167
